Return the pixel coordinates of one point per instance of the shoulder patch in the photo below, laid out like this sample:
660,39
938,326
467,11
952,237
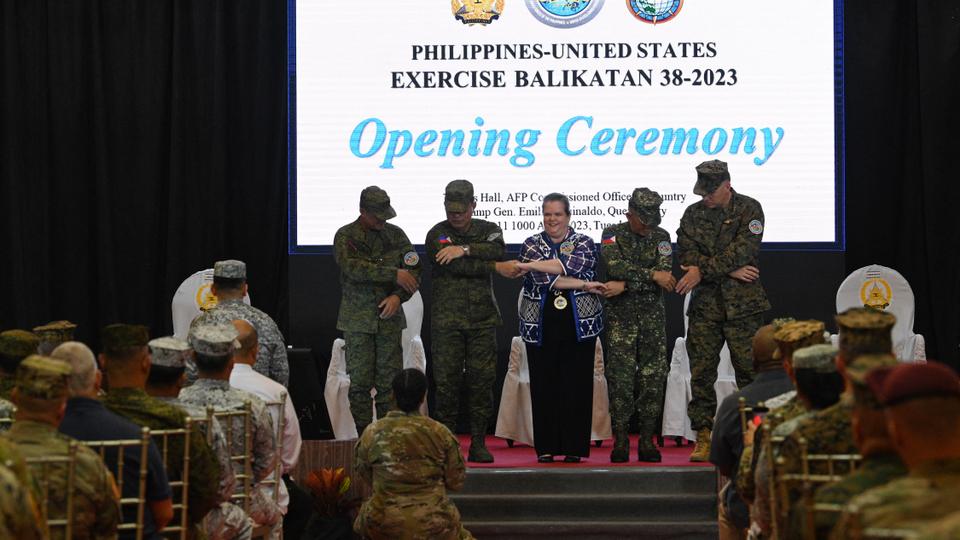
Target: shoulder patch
566,248
494,235
411,258
665,248
756,227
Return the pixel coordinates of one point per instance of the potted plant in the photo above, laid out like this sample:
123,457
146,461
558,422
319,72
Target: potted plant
333,511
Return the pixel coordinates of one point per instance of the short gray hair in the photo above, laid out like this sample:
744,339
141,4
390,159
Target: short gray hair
81,359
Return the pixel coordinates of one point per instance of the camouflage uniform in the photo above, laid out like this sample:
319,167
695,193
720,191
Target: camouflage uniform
19,516
947,528
636,360
753,456
719,241
15,345
53,334
96,507
368,262
411,461
464,313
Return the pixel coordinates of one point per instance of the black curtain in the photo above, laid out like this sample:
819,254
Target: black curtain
903,144
141,142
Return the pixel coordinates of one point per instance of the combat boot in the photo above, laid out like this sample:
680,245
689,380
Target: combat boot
478,450
646,451
621,446
701,452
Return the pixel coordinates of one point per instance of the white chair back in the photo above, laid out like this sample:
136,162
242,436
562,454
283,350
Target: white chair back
413,312
192,298
336,394
515,416
600,428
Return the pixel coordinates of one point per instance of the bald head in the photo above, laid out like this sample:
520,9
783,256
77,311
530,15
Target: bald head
83,380
247,353
763,346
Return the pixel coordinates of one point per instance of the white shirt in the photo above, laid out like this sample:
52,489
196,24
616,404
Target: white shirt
245,378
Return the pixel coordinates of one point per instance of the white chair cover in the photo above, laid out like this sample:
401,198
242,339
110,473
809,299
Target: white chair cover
726,382
884,288
192,295
515,418
336,394
414,354
600,429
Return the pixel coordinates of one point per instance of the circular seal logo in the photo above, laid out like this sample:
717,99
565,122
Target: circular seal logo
876,293
655,11
482,12
205,298
411,258
756,227
665,248
566,248
564,13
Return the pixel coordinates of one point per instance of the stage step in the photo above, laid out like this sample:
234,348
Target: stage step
622,502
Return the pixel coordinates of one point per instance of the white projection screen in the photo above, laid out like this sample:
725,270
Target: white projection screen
588,98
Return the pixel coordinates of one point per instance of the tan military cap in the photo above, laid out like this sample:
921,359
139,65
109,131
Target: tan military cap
117,337
797,334
865,330
42,377
18,344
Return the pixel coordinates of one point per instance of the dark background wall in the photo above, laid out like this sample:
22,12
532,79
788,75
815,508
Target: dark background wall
140,141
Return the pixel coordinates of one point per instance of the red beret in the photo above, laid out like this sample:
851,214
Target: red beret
911,381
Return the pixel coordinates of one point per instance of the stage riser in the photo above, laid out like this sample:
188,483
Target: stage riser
615,507
686,480
595,531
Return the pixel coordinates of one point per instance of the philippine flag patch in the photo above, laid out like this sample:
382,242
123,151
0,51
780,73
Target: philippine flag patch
444,239
609,240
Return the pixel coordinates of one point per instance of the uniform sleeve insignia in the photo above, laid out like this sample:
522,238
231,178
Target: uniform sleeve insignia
493,236
756,227
411,258
566,248
608,240
444,239
665,248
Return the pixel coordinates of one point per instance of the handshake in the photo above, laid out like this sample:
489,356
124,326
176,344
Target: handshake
511,269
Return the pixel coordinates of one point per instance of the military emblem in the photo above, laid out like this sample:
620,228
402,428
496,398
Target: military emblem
566,248
654,11
876,293
564,13
482,12
206,300
493,236
608,240
560,301
411,258
665,248
756,227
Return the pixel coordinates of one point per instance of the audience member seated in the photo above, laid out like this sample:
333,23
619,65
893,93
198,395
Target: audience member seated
86,419
411,461
15,345
19,516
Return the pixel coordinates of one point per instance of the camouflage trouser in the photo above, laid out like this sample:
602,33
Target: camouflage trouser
458,354
636,365
704,341
373,360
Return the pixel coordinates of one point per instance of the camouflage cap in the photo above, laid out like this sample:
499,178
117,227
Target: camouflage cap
169,352
780,321
377,202
865,330
55,331
906,382
214,339
646,205
857,372
458,196
796,335
119,337
43,377
18,344
818,358
230,269
710,174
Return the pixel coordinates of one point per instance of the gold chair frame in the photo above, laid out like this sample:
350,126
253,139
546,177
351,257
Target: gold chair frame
121,445
244,458
40,469
162,437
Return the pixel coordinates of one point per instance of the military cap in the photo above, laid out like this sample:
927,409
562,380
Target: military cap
18,344
214,339
818,358
865,330
43,377
53,334
710,174
646,205
377,202
458,196
779,322
169,352
119,337
230,269
906,382
797,334
857,372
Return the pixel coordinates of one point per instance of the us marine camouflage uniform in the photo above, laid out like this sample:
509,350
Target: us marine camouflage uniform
719,241
222,397
144,410
19,516
368,262
636,356
272,356
411,461
750,462
463,317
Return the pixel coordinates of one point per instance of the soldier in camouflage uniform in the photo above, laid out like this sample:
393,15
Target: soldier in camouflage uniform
379,270
230,286
168,360
213,347
464,252
880,463
15,345
126,360
19,515
719,249
41,394
410,461
922,404
638,258
52,334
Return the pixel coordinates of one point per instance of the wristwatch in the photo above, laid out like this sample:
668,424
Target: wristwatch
466,249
